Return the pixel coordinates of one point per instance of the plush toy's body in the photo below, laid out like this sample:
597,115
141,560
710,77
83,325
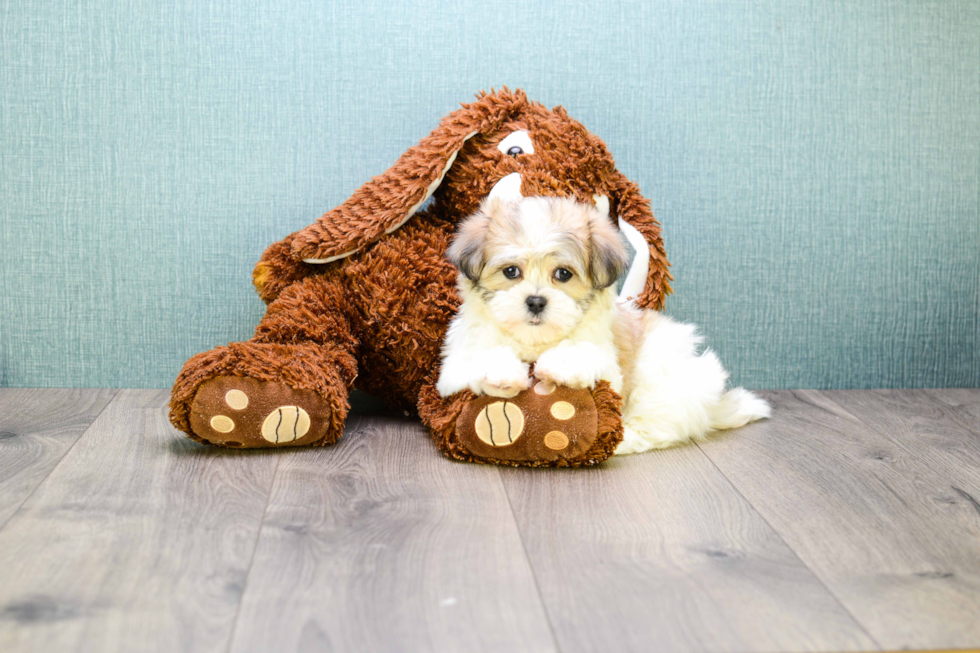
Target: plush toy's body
363,297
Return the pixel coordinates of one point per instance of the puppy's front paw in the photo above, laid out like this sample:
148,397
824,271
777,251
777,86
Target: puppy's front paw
505,390
575,367
506,387
504,378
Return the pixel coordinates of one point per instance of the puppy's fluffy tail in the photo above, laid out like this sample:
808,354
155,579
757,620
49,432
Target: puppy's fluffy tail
738,407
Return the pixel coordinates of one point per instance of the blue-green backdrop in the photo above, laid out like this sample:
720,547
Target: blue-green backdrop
815,165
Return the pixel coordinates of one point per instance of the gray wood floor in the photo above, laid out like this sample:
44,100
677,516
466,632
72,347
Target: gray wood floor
850,521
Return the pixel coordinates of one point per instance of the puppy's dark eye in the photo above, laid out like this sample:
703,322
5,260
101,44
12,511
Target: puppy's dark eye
514,151
563,275
512,272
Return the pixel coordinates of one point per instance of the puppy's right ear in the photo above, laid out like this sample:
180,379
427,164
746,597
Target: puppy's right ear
468,249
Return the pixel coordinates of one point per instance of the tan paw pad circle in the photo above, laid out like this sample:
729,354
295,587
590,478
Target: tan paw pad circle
236,399
544,387
562,410
556,440
499,423
285,424
222,424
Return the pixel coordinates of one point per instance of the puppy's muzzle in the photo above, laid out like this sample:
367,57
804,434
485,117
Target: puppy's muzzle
536,304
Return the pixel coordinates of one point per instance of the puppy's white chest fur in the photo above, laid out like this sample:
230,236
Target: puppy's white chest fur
485,357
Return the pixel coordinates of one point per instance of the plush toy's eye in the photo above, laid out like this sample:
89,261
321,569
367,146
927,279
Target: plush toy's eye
563,275
516,143
512,272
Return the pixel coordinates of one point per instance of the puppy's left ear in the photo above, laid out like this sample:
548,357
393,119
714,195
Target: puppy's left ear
608,255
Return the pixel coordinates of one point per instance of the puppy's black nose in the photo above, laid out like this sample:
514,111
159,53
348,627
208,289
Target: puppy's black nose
536,304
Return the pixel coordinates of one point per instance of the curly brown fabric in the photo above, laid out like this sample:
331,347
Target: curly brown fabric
374,317
383,203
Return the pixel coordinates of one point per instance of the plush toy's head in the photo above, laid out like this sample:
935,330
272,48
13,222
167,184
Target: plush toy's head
500,145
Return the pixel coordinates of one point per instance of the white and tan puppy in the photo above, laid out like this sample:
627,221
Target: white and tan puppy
537,279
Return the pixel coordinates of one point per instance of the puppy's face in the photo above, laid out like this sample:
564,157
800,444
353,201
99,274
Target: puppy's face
537,265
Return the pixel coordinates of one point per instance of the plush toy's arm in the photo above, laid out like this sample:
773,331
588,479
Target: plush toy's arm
277,270
635,209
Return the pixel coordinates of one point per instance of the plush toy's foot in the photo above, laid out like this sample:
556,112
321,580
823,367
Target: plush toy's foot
234,411
253,394
544,426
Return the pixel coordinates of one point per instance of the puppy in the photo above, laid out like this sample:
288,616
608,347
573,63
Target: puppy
537,279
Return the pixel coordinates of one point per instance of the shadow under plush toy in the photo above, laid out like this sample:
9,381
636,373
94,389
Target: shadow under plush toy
363,297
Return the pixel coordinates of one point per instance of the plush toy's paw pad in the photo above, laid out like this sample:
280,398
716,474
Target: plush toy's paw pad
234,411
499,423
542,425
285,424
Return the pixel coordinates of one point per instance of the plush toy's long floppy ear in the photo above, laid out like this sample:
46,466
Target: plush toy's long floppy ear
634,209
386,202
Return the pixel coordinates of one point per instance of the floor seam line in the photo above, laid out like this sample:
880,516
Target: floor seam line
954,418
251,559
115,394
530,565
796,555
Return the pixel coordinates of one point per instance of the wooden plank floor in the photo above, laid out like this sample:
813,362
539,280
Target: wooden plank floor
850,521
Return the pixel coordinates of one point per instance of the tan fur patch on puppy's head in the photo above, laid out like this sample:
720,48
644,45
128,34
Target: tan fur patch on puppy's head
538,264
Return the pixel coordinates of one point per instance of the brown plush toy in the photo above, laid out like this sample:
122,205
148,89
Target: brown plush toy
362,298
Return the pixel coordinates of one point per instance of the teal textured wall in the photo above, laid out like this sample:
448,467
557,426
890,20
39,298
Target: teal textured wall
816,166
